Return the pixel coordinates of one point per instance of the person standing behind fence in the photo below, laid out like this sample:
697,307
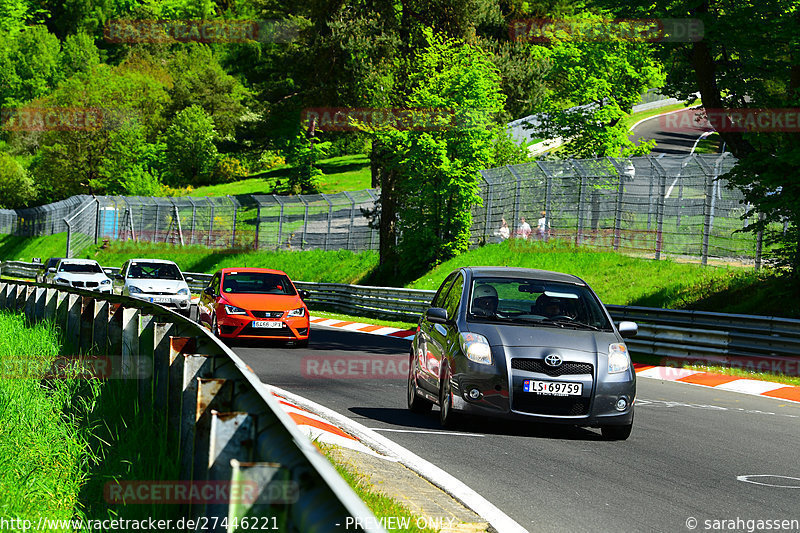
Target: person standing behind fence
524,229
543,226
504,230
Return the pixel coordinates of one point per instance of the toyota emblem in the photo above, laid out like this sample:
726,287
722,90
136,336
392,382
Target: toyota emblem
553,360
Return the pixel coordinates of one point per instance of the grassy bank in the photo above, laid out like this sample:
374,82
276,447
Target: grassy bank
64,438
344,173
14,248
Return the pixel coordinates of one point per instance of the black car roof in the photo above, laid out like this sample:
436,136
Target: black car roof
529,273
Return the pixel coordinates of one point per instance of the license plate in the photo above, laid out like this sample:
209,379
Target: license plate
267,324
552,388
157,300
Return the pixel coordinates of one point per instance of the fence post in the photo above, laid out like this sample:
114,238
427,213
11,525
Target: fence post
660,206
69,237
488,218
97,221
330,214
280,222
516,194
707,202
759,242
233,237
210,220
352,217
618,212
581,209
258,218
305,223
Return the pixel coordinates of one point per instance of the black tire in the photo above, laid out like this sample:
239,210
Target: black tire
300,344
215,326
616,432
416,403
448,418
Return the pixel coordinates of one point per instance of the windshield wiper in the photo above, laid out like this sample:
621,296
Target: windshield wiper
571,323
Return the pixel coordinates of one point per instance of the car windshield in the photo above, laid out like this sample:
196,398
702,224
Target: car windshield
524,301
257,283
82,268
154,271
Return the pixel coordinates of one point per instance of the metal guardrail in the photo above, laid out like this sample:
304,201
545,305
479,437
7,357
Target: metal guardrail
224,424
696,335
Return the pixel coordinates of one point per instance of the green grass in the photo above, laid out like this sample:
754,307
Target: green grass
709,145
632,119
344,173
14,248
41,450
62,439
379,503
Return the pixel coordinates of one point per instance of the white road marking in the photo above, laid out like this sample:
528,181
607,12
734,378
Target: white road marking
750,386
668,404
748,479
428,432
445,481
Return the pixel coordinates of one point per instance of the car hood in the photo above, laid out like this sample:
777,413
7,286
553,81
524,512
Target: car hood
80,276
264,302
512,336
157,285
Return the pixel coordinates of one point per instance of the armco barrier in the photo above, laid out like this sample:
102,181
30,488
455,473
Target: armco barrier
224,424
698,335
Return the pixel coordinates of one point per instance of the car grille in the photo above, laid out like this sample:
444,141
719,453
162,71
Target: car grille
88,284
538,366
527,402
267,314
285,331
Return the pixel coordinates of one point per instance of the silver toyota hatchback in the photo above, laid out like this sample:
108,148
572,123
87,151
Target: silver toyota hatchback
523,344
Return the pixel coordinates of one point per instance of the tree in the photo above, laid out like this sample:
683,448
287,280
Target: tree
748,56
16,186
433,170
303,154
592,84
191,152
79,54
29,65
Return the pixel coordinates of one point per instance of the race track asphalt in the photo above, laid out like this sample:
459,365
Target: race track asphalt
688,449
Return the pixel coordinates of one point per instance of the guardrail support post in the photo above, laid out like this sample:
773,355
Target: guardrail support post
50,303
86,335
194,367
130,342
161,353
212,395
145,367
72,333
178,346
264,476
101,319
30,303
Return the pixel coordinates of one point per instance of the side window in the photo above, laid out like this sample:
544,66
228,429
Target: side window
124,270
214,283
438,299
454,297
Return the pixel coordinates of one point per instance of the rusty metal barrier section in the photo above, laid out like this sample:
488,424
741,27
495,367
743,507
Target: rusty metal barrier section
223,423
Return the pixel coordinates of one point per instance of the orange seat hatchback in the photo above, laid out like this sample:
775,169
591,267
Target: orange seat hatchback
248,303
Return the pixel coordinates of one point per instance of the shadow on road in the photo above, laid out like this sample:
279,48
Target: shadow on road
405,419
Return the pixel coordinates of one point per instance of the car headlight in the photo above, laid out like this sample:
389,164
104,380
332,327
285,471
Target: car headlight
476,348
134,289
233,310
61,280
105,282
183,292
300,311
618,360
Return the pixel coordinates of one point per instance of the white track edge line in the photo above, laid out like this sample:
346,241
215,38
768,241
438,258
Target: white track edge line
435,475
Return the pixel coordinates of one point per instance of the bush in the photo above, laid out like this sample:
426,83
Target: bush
229,169
270,159
16,186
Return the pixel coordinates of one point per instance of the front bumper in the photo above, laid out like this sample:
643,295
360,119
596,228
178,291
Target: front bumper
242,327
501,395
176,301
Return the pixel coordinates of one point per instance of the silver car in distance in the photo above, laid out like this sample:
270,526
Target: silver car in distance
524,344
154,280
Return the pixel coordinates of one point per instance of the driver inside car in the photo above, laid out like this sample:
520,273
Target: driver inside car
484,301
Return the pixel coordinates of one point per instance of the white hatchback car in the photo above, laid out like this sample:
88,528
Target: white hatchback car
154,280
79,273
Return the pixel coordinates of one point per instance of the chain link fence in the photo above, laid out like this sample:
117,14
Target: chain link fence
652,206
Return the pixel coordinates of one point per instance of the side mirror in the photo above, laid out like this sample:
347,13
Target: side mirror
209,291
436,315
628,329
52,270
303,294
189,279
